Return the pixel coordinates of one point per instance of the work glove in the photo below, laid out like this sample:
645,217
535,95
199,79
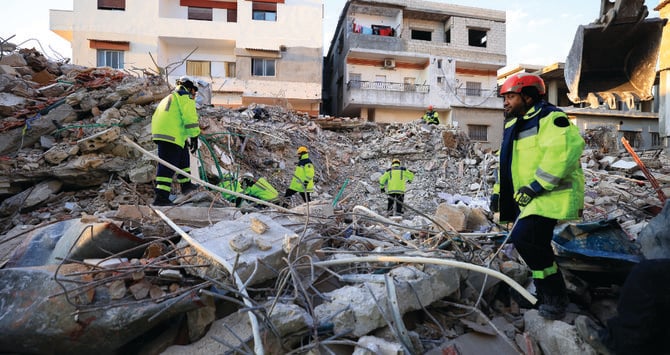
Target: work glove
494,205
383,190
527,193
193,144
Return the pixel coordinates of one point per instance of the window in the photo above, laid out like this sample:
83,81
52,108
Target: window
634,138
262,11
422,35
231,69
439,64
112,5
447,36
232,15
473,88
200,13
655,139
262,67
198,67
108,58
478,132
476,38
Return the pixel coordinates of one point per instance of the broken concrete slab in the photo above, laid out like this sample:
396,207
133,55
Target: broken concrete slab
224,240
39,319
353,310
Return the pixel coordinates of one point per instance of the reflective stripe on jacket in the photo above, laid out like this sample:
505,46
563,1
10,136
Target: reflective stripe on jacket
262,190
542,146
303,176
395,178
175,118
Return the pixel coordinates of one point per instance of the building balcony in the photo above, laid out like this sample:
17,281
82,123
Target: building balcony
386,94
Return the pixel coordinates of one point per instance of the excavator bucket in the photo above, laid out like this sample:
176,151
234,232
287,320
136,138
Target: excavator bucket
618,59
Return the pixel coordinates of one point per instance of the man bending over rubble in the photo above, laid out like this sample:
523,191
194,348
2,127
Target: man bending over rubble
175,129
540,181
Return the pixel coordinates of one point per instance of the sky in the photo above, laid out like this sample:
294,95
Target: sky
539,32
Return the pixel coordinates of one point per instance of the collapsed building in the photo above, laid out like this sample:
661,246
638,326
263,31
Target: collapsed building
88,265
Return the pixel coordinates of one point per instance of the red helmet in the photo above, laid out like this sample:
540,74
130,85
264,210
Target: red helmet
518,81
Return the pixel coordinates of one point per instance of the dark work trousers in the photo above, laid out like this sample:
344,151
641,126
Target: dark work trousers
532,239
305,195
176,156
397,200
641,325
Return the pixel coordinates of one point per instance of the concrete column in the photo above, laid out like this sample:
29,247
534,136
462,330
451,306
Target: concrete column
664,72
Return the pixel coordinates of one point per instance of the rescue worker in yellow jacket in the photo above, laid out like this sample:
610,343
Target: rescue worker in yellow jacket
229,182
540,181
302,181
259,188
175,129
393,183
431,116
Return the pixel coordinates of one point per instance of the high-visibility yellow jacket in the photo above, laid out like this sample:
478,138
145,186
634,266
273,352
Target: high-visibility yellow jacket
395,178
175,119
542,146
303,176
431,117
263,190
230,183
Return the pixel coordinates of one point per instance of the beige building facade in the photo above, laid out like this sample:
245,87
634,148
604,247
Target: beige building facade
390,60
264,52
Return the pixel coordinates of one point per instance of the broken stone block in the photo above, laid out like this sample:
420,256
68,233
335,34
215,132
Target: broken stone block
454,216
117,289
99,140
258,226
6,69
140,289
240,243
13,60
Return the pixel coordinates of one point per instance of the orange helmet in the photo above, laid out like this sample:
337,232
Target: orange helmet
430,108
518,81
302,149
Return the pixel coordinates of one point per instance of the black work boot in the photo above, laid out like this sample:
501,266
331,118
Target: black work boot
188,187
553,307
553,296
162,200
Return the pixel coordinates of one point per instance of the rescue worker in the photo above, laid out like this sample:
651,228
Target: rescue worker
393,182
431,117
302,181
540,181
229,182
259,188
175,129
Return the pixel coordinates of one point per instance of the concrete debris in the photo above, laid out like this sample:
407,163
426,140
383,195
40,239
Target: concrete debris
88,266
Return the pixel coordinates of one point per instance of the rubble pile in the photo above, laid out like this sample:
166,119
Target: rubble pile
205,276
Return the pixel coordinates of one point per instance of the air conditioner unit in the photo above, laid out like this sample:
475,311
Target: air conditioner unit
389,63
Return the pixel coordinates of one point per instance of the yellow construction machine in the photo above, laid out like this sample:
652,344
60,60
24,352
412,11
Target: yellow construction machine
614,58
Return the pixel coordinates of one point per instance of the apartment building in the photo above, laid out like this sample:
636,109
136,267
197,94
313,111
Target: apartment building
249,51
391,59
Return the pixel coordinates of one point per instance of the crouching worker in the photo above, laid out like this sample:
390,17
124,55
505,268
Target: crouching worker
229,182
259,188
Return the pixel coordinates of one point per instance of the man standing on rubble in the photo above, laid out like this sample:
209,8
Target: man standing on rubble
431,117
175,129
302,181
540,181
393,182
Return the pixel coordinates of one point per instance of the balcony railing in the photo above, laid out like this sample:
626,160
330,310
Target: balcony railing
475,92
387,86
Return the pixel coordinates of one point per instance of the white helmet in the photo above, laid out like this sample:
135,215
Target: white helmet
248,176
